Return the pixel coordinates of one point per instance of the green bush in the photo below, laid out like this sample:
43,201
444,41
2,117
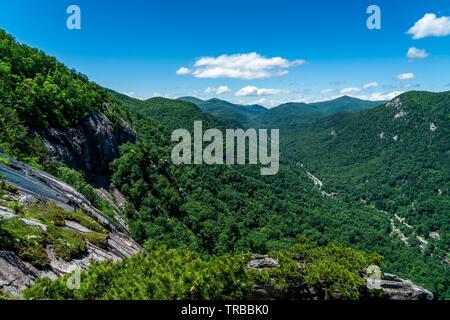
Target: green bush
97,239
28,242
67,244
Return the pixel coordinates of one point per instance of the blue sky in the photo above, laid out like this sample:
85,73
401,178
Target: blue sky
244,51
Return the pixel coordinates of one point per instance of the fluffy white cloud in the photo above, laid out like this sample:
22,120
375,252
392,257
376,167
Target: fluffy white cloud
251,91
327,91
371,85
414,53
406,76
219,90
350,90
183,71
430,26
245,66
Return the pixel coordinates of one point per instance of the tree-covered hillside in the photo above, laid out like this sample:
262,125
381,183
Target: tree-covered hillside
395,157
46,93
345,104
37,91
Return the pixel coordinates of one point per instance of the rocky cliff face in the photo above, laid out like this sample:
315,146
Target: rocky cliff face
34,185
89,146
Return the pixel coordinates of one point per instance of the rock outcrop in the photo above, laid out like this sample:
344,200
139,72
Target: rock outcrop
17,275
392,287
89,146
262,261
395,288
34,185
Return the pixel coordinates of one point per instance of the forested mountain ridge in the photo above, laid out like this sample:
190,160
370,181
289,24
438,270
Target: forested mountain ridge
345,104
208,216
294,115
289,116
174,113
227,110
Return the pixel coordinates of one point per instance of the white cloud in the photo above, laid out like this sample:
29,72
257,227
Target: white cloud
406,76
350,90
241,66
262,101
378,96
371,85
414,53
270,103
327,91
183,71
130,94
430,26
251,91
219,90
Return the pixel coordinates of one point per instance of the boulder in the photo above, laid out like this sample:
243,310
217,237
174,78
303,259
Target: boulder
27,200
261,262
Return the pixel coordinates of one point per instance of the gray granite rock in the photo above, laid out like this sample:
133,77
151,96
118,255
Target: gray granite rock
89,146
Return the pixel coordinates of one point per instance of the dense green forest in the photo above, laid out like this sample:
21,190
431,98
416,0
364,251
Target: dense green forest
197,218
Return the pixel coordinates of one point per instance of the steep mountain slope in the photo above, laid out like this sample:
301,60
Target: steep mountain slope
226,110
395,157
52,117
293,116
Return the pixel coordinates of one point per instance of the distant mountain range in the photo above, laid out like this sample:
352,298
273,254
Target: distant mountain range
227,110
292,115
